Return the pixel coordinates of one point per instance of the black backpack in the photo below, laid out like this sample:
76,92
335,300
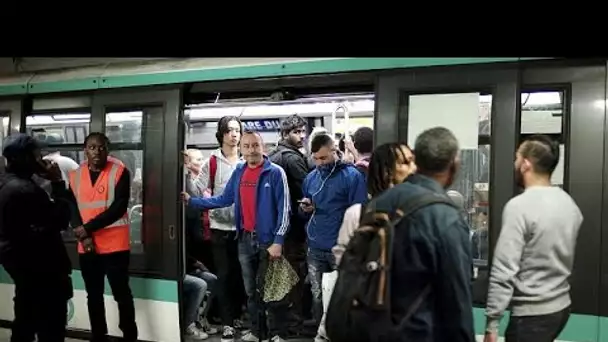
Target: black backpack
360,305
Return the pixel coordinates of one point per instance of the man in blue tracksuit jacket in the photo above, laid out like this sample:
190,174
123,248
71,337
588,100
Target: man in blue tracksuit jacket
260,194
328,191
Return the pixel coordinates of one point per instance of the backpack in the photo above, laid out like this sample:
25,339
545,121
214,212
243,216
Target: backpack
360,304
205,214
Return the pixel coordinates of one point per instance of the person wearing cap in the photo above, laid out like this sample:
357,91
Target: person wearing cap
31,247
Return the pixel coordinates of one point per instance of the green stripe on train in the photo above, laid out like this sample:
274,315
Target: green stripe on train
580,328
142,288
216,73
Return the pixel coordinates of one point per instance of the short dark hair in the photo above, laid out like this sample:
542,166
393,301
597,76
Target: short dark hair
222,127
248,131
363,140
99,135
290,123
319,141
542,152
435,150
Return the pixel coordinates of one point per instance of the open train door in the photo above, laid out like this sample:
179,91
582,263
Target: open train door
144,131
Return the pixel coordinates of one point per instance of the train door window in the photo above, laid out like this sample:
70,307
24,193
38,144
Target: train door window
4,128
467,115
124,130
542,112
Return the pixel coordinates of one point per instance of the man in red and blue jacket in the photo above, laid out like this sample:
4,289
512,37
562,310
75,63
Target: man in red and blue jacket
260,194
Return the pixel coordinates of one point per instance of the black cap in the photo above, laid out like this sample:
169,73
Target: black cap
19,144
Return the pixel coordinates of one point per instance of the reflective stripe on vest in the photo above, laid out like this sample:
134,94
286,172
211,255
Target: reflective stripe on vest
93,199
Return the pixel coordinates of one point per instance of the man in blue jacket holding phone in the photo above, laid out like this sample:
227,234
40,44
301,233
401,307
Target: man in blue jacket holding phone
260,194
328,191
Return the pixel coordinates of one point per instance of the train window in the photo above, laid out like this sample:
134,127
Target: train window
124,127
133,162
4,129
203,132
59,128
468,116
542,112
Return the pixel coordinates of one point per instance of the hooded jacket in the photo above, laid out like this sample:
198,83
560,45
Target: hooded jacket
30,222
272,202
295,165
332,188
220,218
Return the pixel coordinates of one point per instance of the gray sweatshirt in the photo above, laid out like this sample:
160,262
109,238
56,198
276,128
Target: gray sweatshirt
534,255
221,218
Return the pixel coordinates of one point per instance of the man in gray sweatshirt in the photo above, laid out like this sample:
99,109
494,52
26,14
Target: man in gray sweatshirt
535,251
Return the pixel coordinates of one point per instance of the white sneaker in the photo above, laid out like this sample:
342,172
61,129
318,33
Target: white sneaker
193,333
206,327
320,338
250,337
228,334
277,339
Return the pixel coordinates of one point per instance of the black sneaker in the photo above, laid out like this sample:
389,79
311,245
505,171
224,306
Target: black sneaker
228,334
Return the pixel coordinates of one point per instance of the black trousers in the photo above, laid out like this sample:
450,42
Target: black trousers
545,328
224,247
295,253
95,267
40,304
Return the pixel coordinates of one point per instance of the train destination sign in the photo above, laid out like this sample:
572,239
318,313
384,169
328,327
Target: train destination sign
273,125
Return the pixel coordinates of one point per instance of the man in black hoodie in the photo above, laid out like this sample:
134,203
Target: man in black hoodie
288,156
31,246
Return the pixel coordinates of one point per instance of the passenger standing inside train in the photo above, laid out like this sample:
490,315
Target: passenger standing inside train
328,191
259,191
535,251
361,147
31,247
101,186
288,156
389,165
214,175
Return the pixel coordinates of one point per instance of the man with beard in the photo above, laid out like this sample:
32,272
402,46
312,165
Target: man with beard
259,191
535,251
31,247
288,156
328,191
431,265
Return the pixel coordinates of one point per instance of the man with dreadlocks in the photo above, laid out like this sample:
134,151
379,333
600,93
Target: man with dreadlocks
389,164
288,156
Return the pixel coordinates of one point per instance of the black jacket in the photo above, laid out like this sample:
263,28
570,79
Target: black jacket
431,247
295,165
31,225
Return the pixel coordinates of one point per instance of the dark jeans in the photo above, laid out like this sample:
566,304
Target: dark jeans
95,267
545,328
295,253
319,262
226,258
254,263
40,305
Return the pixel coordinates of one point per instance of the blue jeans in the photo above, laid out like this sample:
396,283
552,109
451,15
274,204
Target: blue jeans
195,289
319,262
254,263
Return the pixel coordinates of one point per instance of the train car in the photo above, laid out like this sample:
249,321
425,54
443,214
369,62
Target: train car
153,111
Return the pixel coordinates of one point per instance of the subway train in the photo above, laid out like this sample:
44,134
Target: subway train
490,104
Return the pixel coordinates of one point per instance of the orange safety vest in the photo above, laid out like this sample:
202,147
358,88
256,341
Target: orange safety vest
93,199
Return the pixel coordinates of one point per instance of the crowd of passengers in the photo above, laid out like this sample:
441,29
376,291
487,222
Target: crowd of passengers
264,227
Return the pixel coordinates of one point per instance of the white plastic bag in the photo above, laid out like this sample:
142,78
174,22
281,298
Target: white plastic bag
328,281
